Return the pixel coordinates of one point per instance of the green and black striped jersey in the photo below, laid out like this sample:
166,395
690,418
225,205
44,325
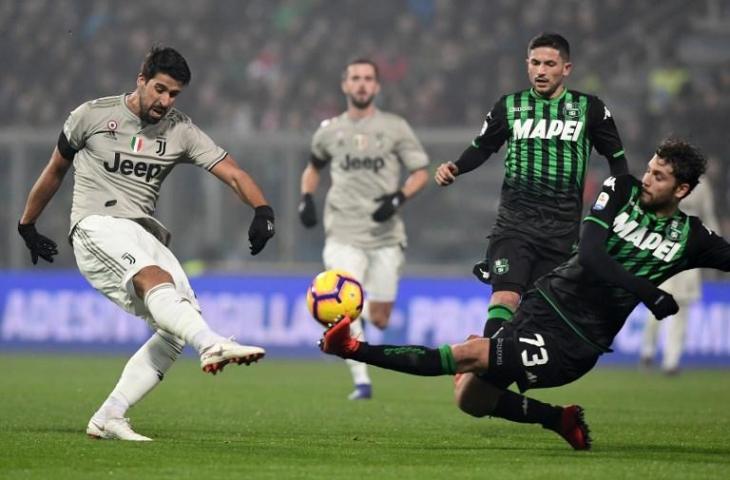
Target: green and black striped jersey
549,143
646,245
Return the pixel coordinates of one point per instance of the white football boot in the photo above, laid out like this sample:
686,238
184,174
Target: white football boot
220,354
114,429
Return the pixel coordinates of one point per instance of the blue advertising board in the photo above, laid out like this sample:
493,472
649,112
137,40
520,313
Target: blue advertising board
61,312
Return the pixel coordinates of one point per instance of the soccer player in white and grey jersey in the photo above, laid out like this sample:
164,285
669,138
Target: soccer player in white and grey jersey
122,148
366,149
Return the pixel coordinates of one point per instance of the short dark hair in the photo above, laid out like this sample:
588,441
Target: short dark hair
552,40
687,161
166,60
362,60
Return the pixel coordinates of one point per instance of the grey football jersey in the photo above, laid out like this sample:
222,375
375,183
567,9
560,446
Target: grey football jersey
365,158
121,162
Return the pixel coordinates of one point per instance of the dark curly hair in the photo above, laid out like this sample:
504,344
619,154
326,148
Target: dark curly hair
166,60
687,161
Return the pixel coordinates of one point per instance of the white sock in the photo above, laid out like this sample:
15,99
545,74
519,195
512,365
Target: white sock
175,314
141,374
358,370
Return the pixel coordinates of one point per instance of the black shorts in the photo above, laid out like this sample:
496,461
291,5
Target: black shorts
537,349
516,260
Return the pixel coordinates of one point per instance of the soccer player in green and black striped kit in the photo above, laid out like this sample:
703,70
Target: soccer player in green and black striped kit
550,131
634,239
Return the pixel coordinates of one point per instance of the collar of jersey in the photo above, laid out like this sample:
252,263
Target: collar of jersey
661,220
360,120
548,100
129,112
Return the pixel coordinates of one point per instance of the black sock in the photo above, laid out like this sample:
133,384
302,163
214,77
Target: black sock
519,408
497,314
413,359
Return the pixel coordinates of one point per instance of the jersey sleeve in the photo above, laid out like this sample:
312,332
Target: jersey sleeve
76,127
602,131
319,154
495,130
614,194
409,148
201,150
706,248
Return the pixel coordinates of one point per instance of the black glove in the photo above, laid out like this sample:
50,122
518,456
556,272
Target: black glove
39,245
261,229
307,211
389,205
661,304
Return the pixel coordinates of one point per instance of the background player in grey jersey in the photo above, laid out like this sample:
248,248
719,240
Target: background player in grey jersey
550,131
685,287
366,149
122,148
634,238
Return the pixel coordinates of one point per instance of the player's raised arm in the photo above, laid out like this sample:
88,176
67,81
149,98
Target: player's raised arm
262,225
42,192
604,135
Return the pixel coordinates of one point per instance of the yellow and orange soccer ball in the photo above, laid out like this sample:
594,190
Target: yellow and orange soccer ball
333,294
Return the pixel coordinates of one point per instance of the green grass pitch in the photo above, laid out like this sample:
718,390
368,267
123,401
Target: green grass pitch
289,419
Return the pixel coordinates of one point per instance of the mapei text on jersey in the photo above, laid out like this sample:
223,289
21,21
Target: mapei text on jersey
568,130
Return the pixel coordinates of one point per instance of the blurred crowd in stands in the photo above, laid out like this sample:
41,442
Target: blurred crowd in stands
274,65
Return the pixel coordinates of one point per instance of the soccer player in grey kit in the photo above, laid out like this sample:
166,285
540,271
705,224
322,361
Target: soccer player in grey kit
122,148
366,149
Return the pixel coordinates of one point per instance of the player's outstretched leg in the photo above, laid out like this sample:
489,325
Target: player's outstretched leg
413,359
175,314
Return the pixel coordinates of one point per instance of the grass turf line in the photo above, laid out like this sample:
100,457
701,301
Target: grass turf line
287,419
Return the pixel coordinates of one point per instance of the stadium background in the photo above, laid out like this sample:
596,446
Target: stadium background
265,73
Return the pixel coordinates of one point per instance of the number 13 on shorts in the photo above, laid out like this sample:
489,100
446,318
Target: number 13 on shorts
539,358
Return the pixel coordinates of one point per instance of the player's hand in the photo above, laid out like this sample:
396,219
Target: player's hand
446,173
662,305
39,245
307,211
389,205
261,229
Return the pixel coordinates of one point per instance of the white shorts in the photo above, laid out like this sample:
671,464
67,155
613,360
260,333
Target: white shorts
378,269
110,251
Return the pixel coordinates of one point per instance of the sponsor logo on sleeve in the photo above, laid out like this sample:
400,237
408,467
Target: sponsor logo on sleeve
601,201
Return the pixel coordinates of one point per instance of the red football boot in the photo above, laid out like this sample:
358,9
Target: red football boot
574,429
337,340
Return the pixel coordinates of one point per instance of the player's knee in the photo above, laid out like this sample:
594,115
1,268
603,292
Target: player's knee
472,355
149,277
